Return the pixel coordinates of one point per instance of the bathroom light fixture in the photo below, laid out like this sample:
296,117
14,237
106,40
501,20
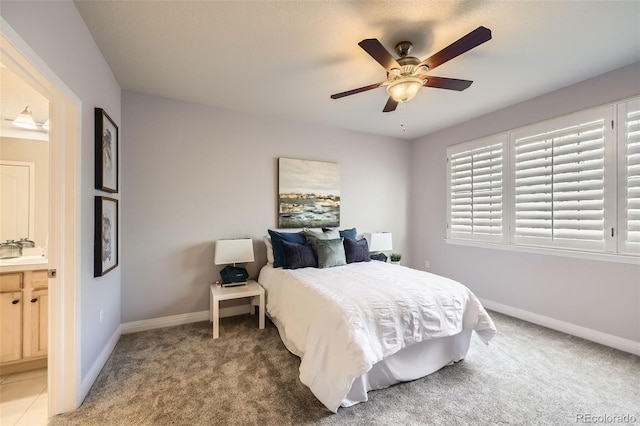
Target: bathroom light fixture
25,120
45,125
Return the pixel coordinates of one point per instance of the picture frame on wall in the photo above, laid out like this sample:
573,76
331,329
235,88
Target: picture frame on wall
308,193
105,235
106,145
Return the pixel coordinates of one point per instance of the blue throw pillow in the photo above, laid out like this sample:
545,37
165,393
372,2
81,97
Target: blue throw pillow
276,242
329,252
297,255
356,251
351,234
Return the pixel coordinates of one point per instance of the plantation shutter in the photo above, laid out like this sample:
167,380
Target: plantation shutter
559,189
629,196
476,190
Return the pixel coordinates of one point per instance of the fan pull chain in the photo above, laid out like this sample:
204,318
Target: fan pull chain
404,112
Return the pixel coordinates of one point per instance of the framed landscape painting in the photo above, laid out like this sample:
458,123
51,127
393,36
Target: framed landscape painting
105,244
106,146
308,193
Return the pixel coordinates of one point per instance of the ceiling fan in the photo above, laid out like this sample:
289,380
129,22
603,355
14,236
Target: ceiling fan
406,75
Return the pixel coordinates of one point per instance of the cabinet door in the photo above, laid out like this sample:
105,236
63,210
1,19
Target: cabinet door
39,305
39,280
10,326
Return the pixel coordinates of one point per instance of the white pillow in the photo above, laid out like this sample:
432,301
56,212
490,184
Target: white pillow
267,243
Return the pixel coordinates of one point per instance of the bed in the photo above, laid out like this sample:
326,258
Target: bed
369,325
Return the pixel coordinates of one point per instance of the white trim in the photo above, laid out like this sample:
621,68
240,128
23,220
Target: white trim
180,319
99,363
566,327
64,367
604,257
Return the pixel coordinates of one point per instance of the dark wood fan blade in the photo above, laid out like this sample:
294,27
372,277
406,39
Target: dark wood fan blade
468,42
377,51
447,83
354,91
390,106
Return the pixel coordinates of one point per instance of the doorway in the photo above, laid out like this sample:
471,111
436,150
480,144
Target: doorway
63,359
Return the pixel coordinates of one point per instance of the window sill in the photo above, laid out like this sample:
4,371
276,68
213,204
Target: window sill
604,257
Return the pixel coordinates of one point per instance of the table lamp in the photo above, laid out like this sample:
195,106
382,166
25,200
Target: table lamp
231,252
379,242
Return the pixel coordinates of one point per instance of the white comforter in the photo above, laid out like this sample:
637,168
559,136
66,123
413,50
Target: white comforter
341,321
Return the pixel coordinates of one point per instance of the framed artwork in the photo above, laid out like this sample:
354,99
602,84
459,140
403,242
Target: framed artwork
308,194
105,256
106,152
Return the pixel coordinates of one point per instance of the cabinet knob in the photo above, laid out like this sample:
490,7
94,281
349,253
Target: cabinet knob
34,300
15,302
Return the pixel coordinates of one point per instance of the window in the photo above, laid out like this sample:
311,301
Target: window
559,181
476,189
572,182
629,183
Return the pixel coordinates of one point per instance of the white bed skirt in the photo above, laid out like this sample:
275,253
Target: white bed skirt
410,363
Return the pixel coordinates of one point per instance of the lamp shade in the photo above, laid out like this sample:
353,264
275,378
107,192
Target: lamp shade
233,251
379,241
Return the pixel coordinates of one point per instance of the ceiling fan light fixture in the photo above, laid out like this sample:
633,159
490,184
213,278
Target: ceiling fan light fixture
404,89
25,120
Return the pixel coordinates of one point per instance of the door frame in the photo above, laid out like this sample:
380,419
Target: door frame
64,367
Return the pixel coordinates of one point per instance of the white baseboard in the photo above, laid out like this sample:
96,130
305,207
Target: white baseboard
173,320
566,327
92,375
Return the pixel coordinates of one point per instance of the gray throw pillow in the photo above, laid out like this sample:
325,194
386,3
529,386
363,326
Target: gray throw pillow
330,253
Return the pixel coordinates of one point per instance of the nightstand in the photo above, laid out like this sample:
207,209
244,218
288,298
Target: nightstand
251,289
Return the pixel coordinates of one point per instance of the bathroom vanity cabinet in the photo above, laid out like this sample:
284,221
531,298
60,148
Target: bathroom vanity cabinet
23,316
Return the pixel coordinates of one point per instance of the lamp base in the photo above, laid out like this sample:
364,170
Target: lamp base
234,284
233,275
379,256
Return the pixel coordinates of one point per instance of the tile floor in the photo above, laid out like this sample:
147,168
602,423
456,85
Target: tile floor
23,398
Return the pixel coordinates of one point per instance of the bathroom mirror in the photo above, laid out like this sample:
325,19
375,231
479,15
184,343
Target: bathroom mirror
24,163
17,193
24,190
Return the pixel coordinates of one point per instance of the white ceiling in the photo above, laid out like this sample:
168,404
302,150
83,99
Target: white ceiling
285,59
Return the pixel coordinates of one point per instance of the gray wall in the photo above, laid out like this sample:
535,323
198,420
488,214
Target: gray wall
602,296
194,174
57,34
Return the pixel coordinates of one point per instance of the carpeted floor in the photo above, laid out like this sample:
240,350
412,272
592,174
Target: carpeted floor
527,375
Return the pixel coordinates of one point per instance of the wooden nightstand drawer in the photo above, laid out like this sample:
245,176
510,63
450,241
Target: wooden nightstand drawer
11,281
